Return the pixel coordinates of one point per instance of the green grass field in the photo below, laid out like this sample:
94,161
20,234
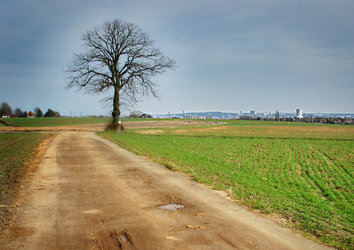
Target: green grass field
258,130
55,121
16,150
303,173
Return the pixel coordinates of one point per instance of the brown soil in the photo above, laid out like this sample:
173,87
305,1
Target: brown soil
167,123
102,126
20,185
89,193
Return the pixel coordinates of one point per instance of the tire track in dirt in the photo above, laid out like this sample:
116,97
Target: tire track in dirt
91,194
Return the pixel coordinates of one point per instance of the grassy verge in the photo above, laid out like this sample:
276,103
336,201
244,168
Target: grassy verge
55,121
306,180
16,151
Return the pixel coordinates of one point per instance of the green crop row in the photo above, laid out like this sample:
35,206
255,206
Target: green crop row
16,150
309,182
266,131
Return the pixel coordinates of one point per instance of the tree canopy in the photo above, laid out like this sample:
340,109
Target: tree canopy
118,56
50,113
5,109
38,112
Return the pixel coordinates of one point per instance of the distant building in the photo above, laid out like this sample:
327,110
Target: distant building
30,114
299,113
253,113
190,116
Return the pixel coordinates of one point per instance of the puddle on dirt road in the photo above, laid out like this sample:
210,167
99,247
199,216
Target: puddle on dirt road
91,211
172,207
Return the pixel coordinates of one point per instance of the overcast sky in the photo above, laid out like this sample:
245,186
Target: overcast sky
231,55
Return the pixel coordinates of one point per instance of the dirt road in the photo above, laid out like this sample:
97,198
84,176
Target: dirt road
90,194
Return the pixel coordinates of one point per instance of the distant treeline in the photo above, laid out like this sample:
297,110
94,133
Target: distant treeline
7,112
309,119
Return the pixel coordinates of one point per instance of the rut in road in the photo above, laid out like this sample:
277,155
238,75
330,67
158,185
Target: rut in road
91,194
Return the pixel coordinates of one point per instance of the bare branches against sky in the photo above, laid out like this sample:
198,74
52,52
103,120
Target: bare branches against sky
234,55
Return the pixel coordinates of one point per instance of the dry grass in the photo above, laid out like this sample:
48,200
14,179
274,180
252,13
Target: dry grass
342,132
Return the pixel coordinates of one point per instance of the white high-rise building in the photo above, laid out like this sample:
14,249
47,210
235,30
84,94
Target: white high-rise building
299,113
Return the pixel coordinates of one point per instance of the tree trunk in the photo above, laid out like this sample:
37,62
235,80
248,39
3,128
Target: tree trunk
116,111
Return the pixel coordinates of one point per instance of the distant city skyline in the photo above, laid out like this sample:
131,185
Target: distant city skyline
232,55
237,115
254,112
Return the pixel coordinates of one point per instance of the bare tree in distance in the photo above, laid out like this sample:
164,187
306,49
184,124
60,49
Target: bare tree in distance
119,56
18,112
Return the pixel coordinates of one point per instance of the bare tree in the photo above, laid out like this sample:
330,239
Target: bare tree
119,56
18,112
